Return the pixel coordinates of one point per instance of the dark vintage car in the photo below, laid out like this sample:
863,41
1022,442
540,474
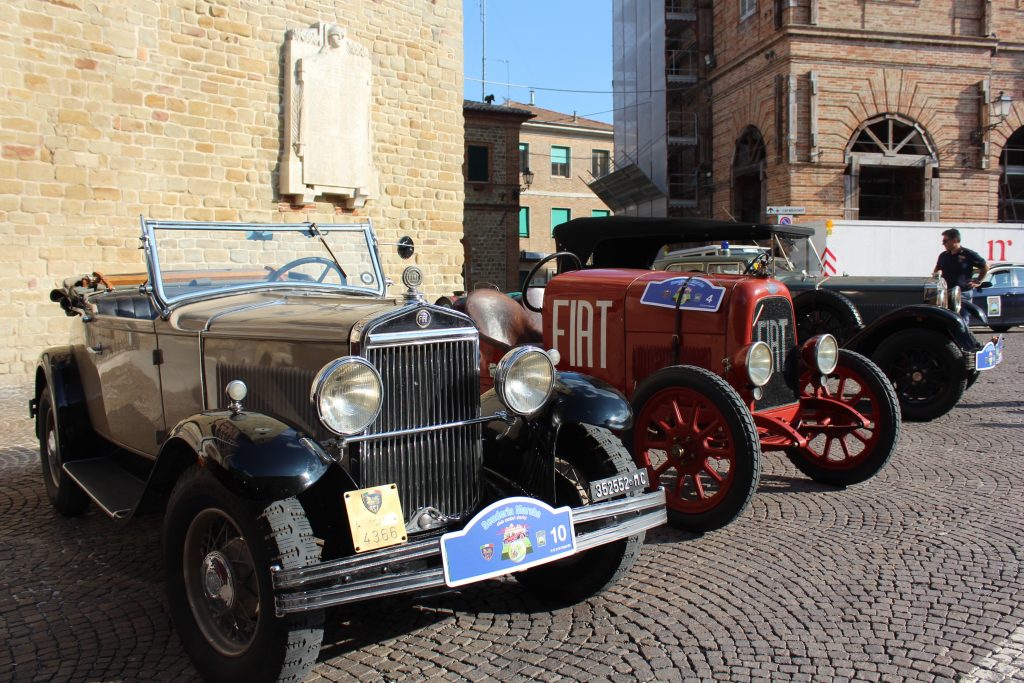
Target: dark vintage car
711,364
1003,300
910,326
313,443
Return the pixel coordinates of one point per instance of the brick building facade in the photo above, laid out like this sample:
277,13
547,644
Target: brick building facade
491,170
852,110
558,191
173,110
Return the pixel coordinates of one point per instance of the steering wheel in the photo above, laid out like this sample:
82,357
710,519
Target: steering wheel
757,265
328,265
536,268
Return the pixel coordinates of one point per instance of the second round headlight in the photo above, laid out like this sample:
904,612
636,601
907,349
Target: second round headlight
524,379
759,364
348,395
826,354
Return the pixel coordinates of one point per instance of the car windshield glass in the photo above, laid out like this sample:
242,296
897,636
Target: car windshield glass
190,260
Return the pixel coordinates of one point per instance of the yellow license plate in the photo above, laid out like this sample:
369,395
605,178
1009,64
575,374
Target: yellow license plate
375,517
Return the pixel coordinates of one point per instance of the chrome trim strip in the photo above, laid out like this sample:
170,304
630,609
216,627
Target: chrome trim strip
392,338
288,583
416,550
500,415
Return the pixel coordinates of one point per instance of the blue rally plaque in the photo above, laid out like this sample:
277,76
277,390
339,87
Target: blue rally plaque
989,356
505,537
698,294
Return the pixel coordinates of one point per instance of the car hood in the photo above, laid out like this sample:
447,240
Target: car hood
277,315
862,283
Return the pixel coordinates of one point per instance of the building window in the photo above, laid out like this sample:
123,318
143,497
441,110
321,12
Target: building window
478,164
560,162
524,157
600,162
559,216
524,221
600,213
747,8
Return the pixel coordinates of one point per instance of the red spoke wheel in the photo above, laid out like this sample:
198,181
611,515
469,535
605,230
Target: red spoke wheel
840,451
697,439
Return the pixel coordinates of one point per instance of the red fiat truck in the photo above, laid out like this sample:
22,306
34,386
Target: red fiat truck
709,361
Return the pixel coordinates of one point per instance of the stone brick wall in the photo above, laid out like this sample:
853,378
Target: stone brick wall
492,207
172,109
927,69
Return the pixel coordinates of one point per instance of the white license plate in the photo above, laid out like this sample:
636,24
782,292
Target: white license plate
619,484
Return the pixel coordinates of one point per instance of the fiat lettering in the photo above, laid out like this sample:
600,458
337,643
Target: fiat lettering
584,323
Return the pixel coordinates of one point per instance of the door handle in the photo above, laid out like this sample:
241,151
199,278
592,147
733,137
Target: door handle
97,350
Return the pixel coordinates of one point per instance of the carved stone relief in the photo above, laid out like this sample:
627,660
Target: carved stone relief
328,140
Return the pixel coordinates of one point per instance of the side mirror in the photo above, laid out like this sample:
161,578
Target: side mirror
406,247
984,285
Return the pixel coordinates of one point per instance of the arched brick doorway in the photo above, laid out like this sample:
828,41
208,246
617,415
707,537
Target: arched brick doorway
1011,179
892,172
749,189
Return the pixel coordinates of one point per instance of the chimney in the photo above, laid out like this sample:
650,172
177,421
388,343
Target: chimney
533,98
574,116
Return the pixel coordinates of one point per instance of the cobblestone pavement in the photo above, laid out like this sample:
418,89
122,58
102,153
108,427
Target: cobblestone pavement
914,575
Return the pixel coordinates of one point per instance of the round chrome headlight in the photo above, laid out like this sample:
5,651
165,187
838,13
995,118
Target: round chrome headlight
760,364
826,353
956,298
524,379
936,292
348,395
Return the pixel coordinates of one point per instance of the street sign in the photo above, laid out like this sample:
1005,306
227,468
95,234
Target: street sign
785,220
786,210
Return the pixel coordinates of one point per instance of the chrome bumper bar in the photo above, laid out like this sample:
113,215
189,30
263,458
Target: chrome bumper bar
345,580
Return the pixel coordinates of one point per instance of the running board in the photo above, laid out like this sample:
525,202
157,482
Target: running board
110,486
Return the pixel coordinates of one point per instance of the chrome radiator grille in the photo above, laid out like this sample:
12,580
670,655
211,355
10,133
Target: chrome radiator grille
426,383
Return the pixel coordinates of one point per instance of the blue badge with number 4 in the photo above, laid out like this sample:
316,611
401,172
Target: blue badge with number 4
505,537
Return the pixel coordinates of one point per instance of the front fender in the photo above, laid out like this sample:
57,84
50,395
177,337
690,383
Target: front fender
941,320
253,455
975,310
522,451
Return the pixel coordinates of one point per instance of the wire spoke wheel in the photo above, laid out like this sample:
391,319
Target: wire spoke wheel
221,583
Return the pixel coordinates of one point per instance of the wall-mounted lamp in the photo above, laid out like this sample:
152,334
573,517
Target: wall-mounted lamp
527,180
1000,107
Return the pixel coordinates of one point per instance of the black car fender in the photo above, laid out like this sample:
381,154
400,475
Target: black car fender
918,316
253,455
521,451
58,371
975,310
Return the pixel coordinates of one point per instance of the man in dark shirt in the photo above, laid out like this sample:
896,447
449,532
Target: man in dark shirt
957,265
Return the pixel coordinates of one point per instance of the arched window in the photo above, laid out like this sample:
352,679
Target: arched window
748,177
892,172
1011,179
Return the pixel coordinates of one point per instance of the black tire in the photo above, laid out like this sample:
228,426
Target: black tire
585,453
844,459
823,311
65,495
236,635
698,501
1000,328
927,370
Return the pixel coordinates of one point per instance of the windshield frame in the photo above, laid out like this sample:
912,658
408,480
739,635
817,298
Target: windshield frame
166,302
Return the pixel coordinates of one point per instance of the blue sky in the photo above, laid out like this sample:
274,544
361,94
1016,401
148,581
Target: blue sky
550,44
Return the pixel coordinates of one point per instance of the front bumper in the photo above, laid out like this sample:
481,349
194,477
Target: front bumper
388,572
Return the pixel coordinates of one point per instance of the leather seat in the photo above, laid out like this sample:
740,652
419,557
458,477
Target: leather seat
137,306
